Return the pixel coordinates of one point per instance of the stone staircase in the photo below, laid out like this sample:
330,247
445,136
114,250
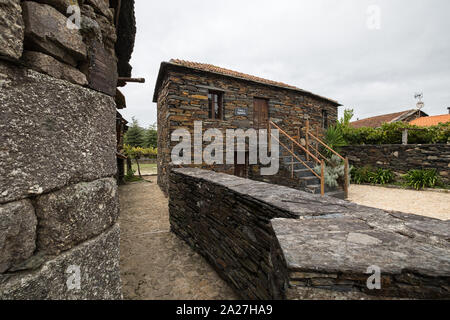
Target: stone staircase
295,166
307,180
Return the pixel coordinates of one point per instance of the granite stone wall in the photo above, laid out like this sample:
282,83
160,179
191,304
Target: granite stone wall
59,237
183,99
273,242
401,158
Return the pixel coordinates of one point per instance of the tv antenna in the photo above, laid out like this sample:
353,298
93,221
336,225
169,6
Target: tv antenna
420,104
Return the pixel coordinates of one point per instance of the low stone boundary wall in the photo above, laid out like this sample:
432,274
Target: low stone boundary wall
401,158
273,242
213,213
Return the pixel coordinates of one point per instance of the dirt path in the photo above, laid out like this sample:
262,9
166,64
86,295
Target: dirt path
155,264
425,203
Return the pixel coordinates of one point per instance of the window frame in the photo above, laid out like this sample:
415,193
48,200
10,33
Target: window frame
325,123
211,109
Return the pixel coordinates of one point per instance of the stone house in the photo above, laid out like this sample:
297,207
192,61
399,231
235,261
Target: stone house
186,92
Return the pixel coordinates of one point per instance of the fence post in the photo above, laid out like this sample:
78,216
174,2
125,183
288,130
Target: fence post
405,136
322,178
317,142
292,163
269,134
347,182
307,139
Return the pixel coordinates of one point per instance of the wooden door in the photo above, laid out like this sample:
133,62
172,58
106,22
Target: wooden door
260,113
241,170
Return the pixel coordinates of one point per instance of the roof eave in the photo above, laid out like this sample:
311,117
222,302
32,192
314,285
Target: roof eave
164,66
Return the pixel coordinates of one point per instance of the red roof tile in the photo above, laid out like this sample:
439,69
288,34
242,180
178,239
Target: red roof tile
375,122
431,121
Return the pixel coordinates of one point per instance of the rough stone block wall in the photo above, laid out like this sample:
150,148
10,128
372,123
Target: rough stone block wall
402,158
273,242
58,198
183,99
213,213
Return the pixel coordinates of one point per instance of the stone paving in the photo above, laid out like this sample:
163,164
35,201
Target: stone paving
154,263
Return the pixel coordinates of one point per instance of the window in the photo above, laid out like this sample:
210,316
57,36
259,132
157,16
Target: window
324,119
215,104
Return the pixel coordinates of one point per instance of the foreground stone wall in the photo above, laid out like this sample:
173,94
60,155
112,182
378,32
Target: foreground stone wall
213,213
401,158
273,242
59,237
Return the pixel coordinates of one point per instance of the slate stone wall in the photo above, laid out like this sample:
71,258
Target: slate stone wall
273,242
214,215
183,99
402,158
58,198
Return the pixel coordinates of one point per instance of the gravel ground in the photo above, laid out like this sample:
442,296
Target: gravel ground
155,264
426,203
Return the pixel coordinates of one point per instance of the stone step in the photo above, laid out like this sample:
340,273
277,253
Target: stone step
314,188
312,180
340,194
303,173
289,161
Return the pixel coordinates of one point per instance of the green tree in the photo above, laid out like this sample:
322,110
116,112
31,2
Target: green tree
135,135
348,115
151,137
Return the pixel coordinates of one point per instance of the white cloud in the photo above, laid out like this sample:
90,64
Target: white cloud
323,46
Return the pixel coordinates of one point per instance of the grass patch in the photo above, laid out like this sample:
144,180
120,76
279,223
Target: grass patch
144,166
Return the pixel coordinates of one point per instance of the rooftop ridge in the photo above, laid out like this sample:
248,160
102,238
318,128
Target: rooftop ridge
205,67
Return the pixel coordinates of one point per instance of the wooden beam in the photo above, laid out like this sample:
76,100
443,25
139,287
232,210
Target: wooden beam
123,79
119,5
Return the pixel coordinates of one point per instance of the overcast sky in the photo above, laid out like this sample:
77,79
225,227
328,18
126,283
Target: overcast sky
333,48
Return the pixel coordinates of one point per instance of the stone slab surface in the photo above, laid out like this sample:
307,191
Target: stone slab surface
76,213
17,233
60,5
52,134
11,29
47,64
98,263
350,245
46,31
329,244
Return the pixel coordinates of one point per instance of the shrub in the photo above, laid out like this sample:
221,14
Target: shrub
382,176
391,133
138,152
361,175
130,177
334,172
334,138
368,175
419,179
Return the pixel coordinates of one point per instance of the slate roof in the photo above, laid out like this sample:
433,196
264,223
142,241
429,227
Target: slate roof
229,73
